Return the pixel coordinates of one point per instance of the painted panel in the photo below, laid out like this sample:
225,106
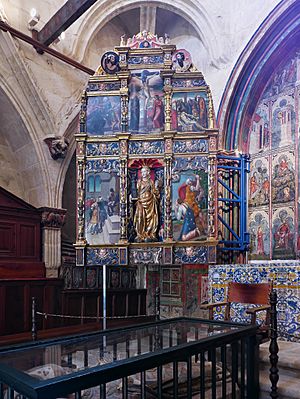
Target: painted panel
272,143
146,105
189,111
284,77
259,230
188,83
189,199
283,121
103,86
283,177
187,146
190,255
145,147
147,60
103,115
260,130
259,182
95,149
283,232
102,256
102,213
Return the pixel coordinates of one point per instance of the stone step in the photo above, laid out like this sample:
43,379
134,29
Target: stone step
289,356
288,387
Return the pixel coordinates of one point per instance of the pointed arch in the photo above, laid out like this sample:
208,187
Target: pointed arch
103,11
277,37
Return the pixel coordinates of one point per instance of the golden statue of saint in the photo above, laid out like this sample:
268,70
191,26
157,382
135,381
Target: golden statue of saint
146,213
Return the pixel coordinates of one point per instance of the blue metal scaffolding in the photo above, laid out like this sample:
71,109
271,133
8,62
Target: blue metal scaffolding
232,201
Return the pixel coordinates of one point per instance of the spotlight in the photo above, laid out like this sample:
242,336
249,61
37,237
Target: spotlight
34,18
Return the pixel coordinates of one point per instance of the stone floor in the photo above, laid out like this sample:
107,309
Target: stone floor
289,370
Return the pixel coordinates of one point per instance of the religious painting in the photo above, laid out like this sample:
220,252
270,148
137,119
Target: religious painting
110,62
283,177
146,200
259,230
103,115
146,102
283,232
189,111
189,200
282,79
181,60
283,121
259,182
102,213
260,129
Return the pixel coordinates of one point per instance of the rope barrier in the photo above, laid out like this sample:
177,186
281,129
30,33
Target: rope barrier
46,315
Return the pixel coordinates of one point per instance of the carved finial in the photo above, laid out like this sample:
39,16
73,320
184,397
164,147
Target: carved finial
167,38
122,40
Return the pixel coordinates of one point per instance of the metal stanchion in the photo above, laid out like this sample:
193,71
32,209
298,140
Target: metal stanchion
33,319
157,303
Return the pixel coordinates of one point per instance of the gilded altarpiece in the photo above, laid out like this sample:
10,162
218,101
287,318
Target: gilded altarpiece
146,160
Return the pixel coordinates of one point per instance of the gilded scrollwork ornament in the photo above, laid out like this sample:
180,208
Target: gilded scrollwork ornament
211,115
124,113
167,109
80,199
168,199
123,200
212,170
82,114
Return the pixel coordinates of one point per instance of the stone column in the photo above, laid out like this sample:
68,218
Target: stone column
52,221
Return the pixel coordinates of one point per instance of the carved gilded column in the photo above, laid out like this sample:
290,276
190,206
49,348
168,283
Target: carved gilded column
80,156
168,198
124,102
82,114
123,196
80,199
168,186
211,116
168,98
212,205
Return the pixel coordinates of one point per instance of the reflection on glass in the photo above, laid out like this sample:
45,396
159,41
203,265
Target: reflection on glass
69,356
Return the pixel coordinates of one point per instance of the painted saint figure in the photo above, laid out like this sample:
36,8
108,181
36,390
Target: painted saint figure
146,213
283,236
260,241
158,115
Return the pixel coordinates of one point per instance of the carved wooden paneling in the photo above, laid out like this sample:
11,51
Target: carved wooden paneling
7,239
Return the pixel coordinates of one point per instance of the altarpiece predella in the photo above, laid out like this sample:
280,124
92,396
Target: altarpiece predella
146,159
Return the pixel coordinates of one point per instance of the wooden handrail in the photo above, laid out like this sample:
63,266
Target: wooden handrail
40,48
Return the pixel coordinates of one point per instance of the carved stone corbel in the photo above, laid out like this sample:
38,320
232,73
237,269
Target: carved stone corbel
58,147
